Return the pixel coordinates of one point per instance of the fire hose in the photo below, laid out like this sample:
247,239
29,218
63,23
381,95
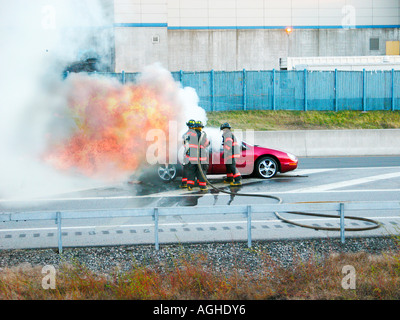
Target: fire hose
375,224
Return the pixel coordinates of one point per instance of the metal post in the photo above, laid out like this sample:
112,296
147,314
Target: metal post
123,77
244,90
249,226
342,222
273,89
305,89
212,90
181,76
392,89
336,90
58,222
364,91
156,228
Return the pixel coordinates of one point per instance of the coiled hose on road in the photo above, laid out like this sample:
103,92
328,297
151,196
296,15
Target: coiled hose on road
375,223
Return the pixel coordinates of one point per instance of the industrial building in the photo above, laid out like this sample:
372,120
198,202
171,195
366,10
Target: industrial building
231,35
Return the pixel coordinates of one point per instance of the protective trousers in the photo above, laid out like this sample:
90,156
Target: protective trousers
232,173
184,175
193,172
187,137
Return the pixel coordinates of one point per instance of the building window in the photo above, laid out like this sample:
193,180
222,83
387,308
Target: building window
374,44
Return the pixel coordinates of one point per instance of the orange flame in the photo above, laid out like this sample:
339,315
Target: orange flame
111,123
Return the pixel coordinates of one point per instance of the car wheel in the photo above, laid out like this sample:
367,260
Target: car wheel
167,172
266,167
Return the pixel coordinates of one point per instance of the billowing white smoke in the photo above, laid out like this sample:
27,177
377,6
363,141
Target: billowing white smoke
38,40
184,98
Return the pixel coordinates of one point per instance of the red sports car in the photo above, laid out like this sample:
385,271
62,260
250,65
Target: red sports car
254,160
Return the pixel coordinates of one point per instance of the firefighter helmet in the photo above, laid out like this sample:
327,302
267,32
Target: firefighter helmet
225,125
191,123
199,124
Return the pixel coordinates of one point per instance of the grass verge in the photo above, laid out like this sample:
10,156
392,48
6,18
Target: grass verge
261,120
190,276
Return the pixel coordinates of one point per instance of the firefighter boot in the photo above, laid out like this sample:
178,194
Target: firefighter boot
183,183
203,186
229,178
236,182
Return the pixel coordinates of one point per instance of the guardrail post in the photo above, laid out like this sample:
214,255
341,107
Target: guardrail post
58,222
123,77
156,229
342,222
249,226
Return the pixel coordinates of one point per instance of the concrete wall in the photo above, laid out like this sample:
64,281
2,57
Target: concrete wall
200,35
135,48
260,49
327,143
238,49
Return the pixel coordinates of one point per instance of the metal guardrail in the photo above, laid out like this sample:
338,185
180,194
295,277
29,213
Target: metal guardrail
246,210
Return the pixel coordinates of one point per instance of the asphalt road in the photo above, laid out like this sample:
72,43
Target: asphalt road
349,162
315,180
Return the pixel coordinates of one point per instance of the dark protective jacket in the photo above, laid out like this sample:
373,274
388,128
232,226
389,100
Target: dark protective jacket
192,144
187,137
231,146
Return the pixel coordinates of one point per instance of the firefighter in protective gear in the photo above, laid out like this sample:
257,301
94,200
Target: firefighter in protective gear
230,154
185,137
198,146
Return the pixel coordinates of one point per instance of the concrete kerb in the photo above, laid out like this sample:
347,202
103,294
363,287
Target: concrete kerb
326,143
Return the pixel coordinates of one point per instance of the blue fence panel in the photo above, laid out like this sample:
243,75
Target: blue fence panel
202,83
288,90
228,90
113,75
349,90
259,90
131,77
396,93
177,75
321,90
378,90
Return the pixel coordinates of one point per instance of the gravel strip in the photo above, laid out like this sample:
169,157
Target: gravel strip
221,256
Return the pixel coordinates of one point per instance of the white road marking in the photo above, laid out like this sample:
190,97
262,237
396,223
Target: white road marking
336,191
307,171
347,183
